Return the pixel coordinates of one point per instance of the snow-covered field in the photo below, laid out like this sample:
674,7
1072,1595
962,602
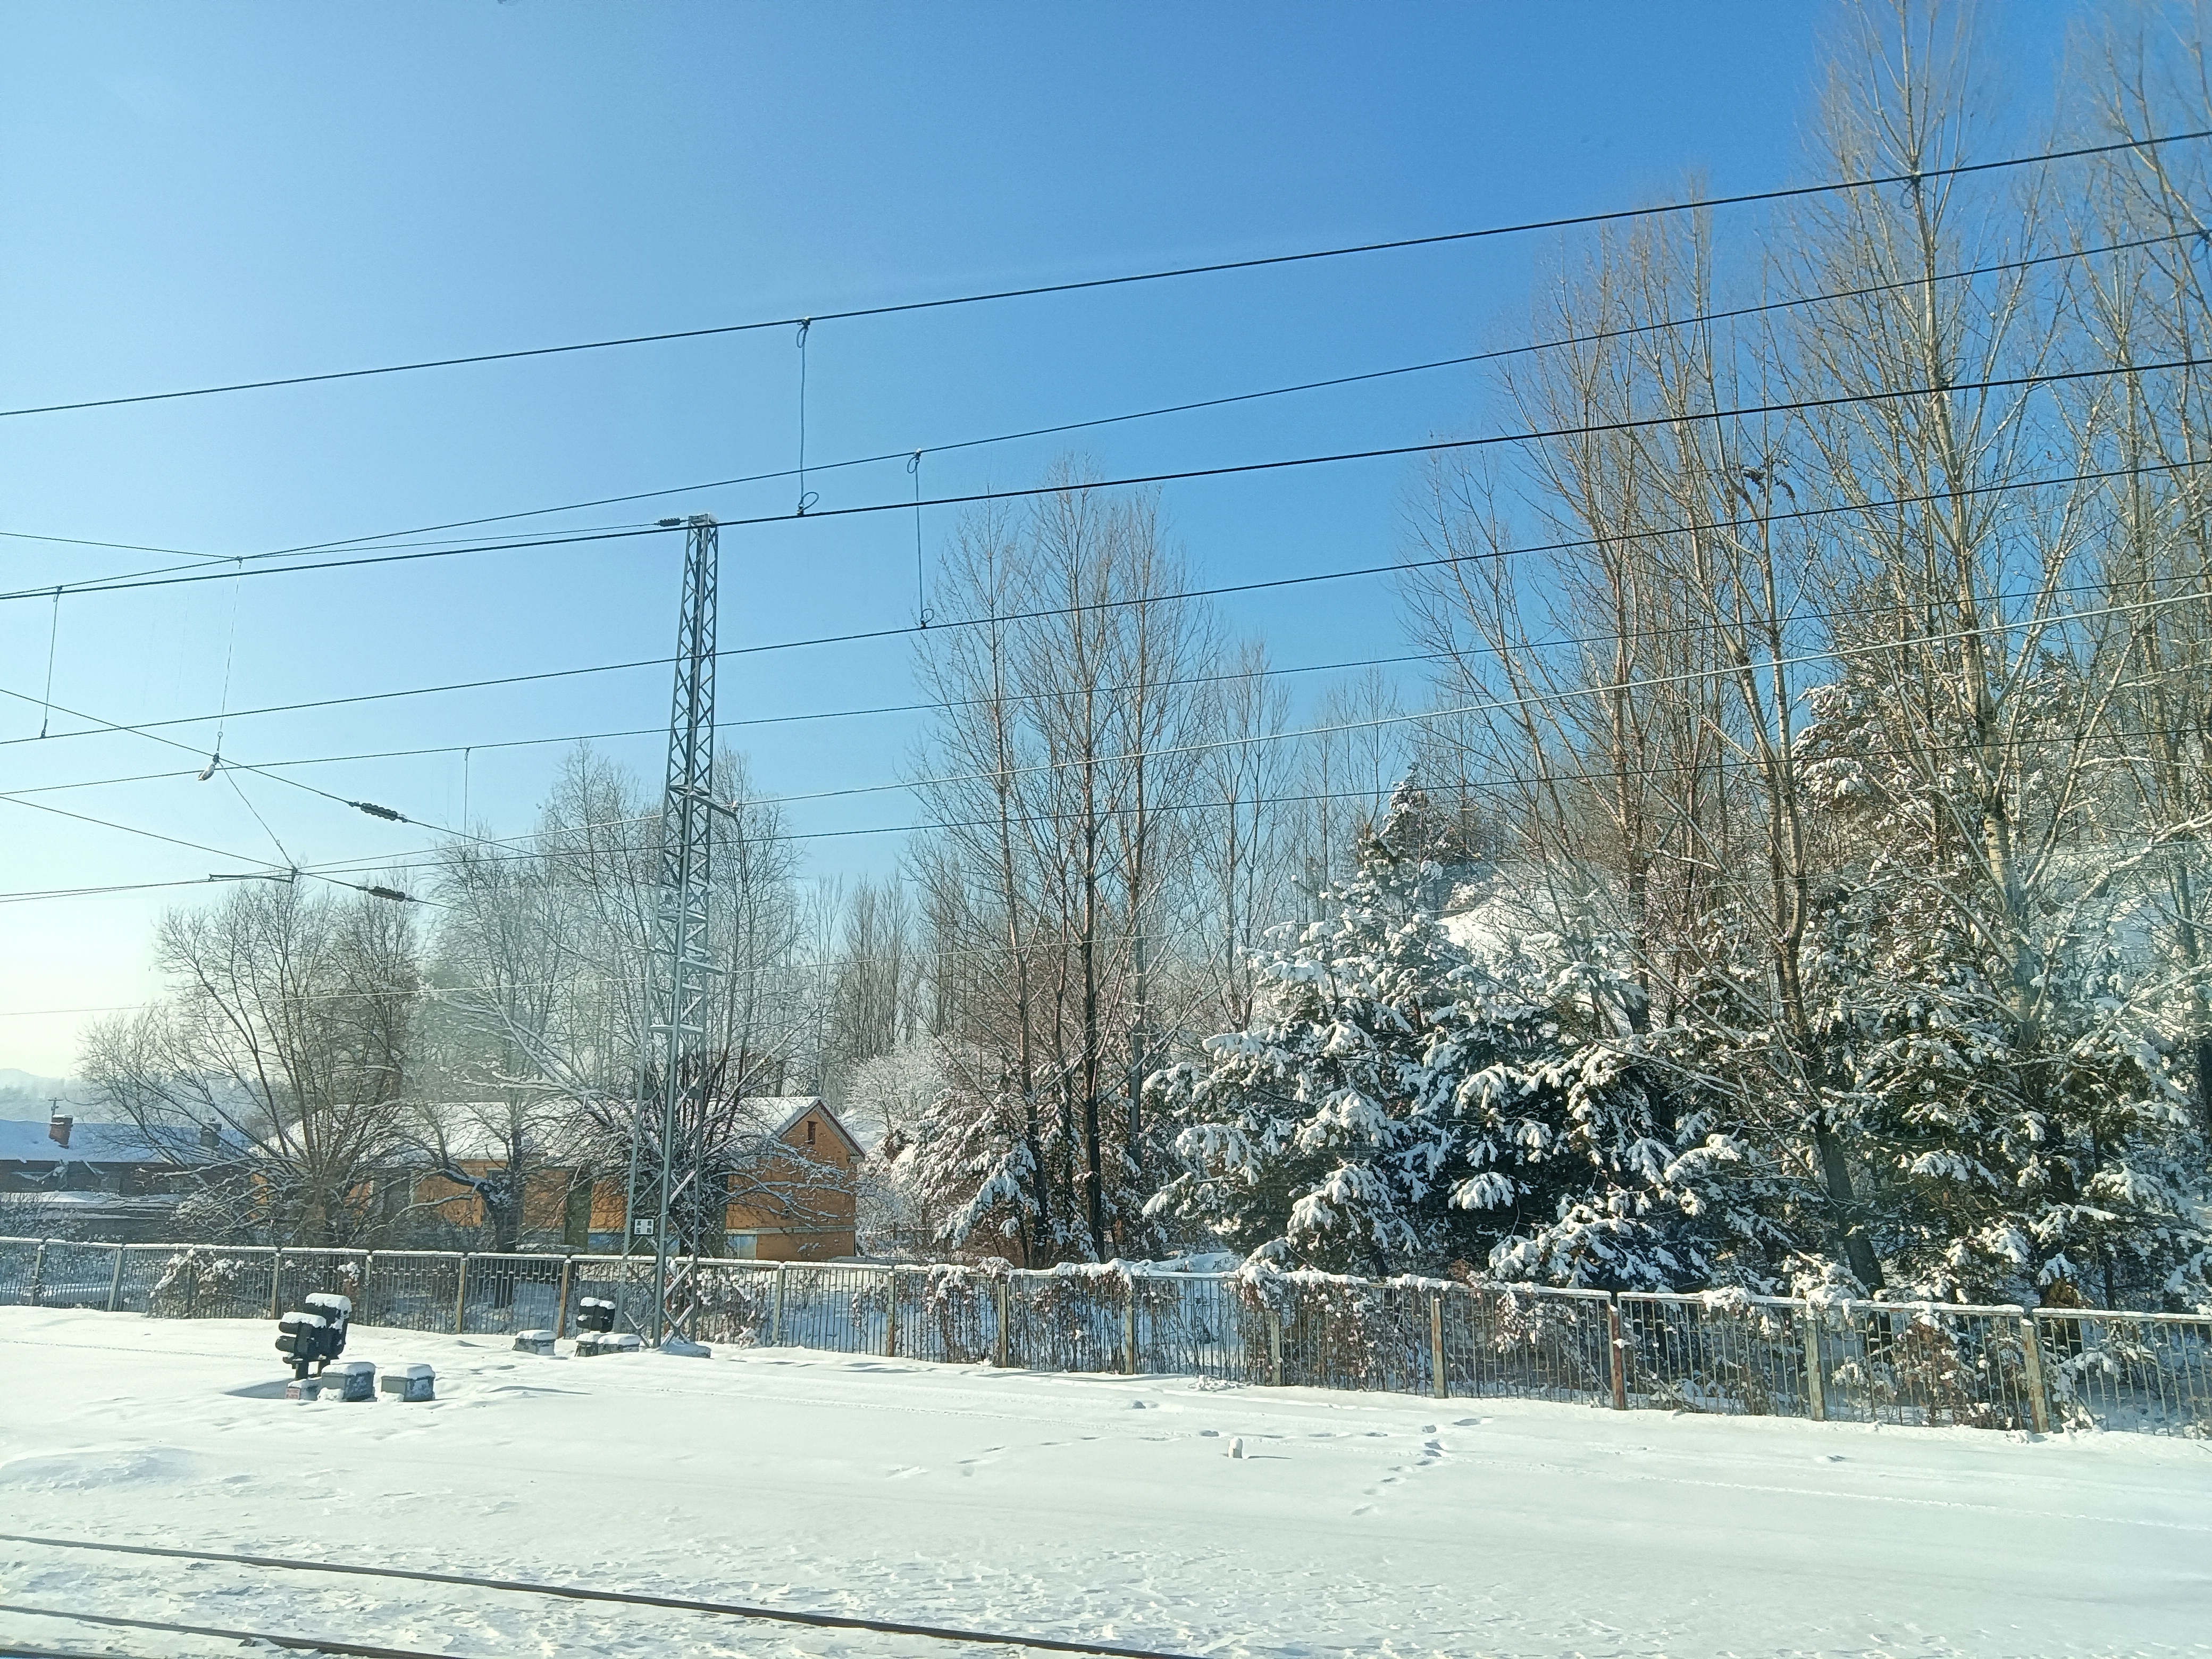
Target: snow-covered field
1089,1506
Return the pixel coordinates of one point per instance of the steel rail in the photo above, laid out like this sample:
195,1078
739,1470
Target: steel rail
296,1643
626,1598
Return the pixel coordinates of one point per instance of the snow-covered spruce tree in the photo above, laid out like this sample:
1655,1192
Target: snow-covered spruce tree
1400,1105
2024,1116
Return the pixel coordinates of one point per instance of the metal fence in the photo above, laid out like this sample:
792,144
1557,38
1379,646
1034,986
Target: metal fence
1725,1352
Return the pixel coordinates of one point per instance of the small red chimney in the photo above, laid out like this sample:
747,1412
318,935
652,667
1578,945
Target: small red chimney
57,1128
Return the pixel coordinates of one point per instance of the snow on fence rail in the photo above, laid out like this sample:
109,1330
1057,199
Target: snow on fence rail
1721,1352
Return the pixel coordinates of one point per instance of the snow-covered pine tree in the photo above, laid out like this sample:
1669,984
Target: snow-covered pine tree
1399,1105
2008,1085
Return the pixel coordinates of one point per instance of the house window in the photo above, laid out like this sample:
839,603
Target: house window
744,1247
810,1131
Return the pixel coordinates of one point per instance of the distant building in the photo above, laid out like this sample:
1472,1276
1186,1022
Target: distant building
794,1208
105,1181
555,1193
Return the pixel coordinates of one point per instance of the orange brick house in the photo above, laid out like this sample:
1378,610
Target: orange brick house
795,1207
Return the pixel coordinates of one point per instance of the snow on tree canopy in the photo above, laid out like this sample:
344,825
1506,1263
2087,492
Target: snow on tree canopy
1401,1104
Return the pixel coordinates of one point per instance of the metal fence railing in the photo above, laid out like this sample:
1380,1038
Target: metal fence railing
1926,1363
2140,1371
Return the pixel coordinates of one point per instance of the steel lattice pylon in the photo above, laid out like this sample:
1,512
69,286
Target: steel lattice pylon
666,1161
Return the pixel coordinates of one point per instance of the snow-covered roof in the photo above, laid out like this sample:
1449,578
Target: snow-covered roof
786,1111
27,1140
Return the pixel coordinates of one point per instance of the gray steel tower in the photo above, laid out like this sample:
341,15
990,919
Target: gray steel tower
669,1173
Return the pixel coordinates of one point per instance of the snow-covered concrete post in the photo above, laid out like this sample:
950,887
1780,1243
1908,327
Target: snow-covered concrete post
1816,1402
560,1299
2038,1402
115,1281
1437,1346
461,1294
1617,1350
775,1319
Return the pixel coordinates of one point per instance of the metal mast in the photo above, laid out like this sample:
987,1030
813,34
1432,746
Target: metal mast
680,964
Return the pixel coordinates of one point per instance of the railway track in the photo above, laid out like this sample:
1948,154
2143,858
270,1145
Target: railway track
523,1587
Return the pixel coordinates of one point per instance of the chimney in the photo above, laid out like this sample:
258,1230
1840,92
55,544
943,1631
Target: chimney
57,1128
211,1138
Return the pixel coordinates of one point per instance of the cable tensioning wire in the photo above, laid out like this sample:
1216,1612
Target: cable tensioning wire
1582,776
233,767
1564,223
1435,447
399,861
911,457
1793,515
266,872
1244,742
387,864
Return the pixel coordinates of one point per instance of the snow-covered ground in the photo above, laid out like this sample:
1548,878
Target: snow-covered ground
1066,1505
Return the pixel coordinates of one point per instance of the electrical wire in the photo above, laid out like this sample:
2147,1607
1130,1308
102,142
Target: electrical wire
1794,192
1435,447
429,858
1221,590
912,456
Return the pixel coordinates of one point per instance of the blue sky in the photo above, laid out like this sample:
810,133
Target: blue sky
215,193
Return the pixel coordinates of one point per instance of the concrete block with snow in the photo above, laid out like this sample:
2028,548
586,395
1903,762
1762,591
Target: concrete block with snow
410,1383
533,1342
351,1380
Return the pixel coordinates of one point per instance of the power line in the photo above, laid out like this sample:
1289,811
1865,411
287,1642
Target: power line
1564,223
266,872
427,858
371,808
1595,336
815,514
1221,590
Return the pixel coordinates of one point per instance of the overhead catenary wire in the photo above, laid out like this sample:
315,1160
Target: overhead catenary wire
1214,590
416,860
1373,797
1433,447
1701,318
266,872
1565,221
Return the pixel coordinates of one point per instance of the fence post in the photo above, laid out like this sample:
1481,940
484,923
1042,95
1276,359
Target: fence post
1436,1385
775,1320
1816,1399
38,1293
277,1284
115,1281
461,1294
891,1311
1618,1351
1000,1347
2038,1402
1274,1348
192,1282
1129,1331
560,1297
361,1286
